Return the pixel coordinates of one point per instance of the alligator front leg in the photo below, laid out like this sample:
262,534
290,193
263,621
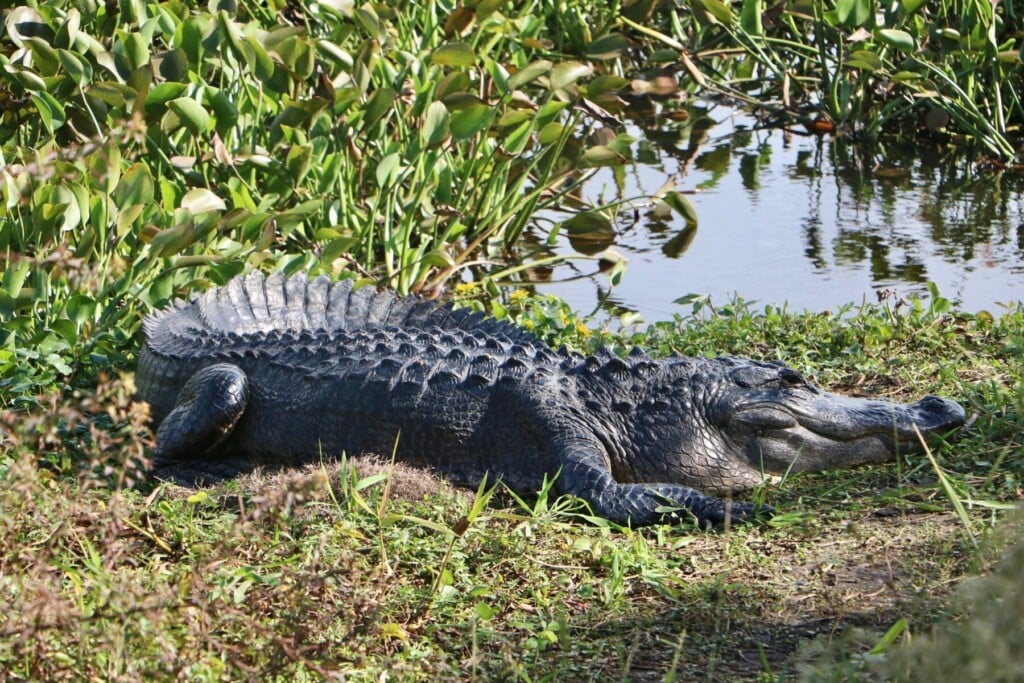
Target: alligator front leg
585,475
207,409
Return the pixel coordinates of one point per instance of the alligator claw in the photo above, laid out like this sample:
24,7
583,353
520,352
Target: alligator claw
737,513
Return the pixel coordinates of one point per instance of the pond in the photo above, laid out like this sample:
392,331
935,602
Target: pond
800,220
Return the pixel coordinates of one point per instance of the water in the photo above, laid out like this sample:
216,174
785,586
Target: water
801,221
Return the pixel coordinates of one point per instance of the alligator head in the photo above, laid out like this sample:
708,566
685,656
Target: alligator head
750,422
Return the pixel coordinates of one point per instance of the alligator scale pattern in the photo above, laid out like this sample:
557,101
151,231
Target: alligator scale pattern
280,372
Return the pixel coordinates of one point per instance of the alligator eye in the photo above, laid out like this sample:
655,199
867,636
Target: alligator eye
792,377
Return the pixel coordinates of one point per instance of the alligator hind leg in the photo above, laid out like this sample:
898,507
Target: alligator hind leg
207,409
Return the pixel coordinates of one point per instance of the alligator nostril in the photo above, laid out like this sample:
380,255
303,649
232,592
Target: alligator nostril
938,409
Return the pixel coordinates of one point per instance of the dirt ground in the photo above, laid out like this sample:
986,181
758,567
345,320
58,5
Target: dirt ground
780,600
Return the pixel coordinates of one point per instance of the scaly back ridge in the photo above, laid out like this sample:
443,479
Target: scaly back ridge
256,303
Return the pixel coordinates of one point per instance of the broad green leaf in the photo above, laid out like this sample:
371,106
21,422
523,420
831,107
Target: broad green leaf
158,97
388,169
23,21
911,6
865,60
379,104
136,48
69,331
70,214
681,205
235,39
456,101
261,63
371,23
44,56
528,73
114,94
550,133
80,309
469,121
605,83
906,76
854,13
513,117
600,155
609,46
515,142
67,34
284,37
439,258
901,40
174,240
171,65
750,17
567,73
14,276
79,70
298,161
136,186
191,114
590,225
126,218
497,73
718,10
50,111
105,164
435,125
549,111
26,78
454,54
334,53
200,200
190,35
663,56
225,114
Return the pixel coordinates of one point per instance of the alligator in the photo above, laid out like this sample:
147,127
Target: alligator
275,371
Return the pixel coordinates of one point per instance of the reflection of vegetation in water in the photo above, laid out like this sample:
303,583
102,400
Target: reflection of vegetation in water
860,199
962,211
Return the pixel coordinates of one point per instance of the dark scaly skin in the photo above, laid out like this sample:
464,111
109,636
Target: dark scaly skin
286,372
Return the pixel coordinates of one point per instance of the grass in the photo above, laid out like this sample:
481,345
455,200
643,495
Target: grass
367,568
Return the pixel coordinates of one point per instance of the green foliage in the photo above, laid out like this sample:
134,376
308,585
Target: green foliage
866,68
150,148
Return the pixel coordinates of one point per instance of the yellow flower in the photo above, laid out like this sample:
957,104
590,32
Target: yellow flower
518,295
583,330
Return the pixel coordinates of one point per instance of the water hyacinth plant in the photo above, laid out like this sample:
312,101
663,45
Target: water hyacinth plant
867,68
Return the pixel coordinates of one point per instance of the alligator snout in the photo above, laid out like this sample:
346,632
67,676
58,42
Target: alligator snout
936,414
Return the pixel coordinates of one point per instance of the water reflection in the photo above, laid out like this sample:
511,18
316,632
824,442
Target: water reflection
797,219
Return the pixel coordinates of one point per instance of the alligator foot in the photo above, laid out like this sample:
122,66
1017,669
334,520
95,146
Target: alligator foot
716,512
208,407
642,504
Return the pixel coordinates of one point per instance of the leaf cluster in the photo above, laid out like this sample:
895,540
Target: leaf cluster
865,68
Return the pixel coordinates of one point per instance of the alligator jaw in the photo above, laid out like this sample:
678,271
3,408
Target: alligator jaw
827,431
